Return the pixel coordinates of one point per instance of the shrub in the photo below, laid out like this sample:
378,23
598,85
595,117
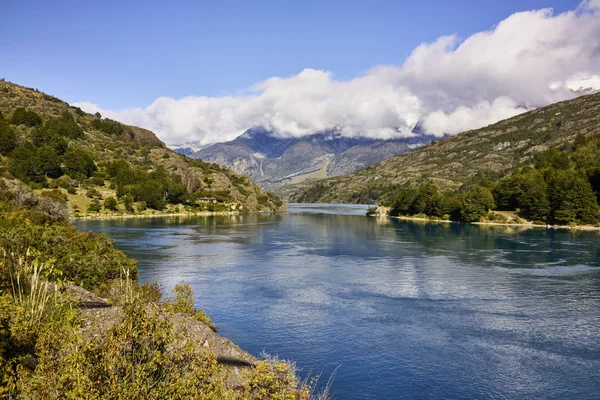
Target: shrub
87,259
110,203
128,203
184,303
44,137
29,163
8,138
21,116
64,125
93,193
79,163
94,206
273,379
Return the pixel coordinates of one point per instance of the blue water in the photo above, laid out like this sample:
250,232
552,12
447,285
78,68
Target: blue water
401,309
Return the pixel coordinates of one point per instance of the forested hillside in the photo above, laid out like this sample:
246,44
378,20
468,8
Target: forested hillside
487,153
100,165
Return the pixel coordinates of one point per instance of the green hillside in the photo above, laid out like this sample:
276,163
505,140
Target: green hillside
468,158
102,166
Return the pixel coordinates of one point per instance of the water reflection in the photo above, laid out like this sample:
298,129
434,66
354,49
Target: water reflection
416,310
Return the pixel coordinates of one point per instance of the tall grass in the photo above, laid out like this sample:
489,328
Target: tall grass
29,289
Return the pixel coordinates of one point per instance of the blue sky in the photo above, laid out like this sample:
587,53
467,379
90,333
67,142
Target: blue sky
125,54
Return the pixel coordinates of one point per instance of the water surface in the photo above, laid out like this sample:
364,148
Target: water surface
404,309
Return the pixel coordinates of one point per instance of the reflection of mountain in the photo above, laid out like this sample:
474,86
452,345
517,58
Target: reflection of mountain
272,161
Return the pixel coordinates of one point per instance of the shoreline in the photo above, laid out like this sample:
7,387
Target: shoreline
132,216
588,228
91,217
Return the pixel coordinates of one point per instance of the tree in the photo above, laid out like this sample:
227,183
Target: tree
150,193
128,202
78,163
110,203
476,203
64,125
29,163
572,199
21,116
532,198
49,162
8,138
94,206
44,137
526,191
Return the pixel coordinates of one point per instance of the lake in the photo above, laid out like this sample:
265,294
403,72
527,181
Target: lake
401,309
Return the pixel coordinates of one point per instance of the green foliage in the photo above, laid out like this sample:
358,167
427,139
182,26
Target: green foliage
128,203
157,188
44,137
273,379
79,163
65,126
8,138
32,164
476,203
110,203
526,191
470,206
424,199
184,303
108,126
572,199
95,206
21,116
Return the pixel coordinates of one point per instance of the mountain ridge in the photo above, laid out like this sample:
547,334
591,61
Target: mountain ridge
457,160
272,161
87,159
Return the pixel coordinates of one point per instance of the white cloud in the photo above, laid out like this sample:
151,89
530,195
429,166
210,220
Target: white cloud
530,59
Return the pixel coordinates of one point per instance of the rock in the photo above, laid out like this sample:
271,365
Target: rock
84,298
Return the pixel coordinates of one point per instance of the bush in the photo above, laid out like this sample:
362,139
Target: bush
79,163
184,303
64,125
128,203
21,116
43,137
93,193
31,164
108,126
273,379
8,138
94,206
110,203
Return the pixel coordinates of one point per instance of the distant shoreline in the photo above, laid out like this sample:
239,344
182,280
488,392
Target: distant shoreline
134,216
590,228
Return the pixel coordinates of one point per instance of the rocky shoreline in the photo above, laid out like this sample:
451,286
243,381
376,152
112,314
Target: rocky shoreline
383,212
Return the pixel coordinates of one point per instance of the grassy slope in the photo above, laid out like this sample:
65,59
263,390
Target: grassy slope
451,162
140,147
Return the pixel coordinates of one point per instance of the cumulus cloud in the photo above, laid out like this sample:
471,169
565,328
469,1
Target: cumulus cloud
528,60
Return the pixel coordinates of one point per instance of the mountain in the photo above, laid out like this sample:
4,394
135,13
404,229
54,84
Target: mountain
496,150
102,165
272,161
186,149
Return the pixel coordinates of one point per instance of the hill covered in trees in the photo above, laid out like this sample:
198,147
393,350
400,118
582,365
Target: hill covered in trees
100,165
544,164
